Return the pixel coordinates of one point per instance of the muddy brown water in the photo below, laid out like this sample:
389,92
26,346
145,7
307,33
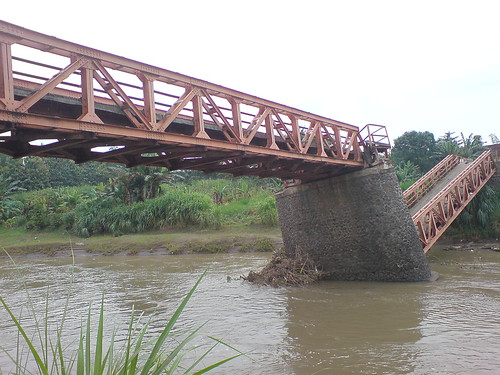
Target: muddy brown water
451,326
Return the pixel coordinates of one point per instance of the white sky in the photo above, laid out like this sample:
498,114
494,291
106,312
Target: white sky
410,65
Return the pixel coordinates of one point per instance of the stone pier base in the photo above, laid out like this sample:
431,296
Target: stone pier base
355,227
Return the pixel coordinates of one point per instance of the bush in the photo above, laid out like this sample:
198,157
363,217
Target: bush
9,209
227,190
172,208
406,184
267,212
47,208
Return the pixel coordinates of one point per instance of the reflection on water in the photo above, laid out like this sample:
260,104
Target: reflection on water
447,327
354,328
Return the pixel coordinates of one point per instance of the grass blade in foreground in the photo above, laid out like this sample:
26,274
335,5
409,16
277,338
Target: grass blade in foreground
137,356
164,335
98,365
215,365
41,365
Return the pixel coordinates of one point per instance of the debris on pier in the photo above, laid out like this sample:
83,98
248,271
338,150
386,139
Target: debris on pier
285,271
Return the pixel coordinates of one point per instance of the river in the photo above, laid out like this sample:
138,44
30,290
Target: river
451,326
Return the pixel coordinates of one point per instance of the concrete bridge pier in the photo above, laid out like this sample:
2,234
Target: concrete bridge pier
355,227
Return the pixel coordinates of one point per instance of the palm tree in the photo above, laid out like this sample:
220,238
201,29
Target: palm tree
471,147
447,144
445,148
138,184
468,147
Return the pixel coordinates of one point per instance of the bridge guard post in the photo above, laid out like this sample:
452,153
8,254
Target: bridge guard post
355,227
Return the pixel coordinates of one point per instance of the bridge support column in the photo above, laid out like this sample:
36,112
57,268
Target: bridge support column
355,227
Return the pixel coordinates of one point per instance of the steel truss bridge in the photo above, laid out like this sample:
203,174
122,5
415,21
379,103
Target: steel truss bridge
60,99
439,196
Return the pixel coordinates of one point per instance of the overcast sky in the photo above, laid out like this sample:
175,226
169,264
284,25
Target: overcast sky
410,65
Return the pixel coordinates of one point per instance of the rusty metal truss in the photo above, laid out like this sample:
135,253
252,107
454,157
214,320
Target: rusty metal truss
416,191
60,99
376,136
437,215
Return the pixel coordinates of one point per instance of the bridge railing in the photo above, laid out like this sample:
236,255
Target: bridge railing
416,191
376,136
34,66
437,215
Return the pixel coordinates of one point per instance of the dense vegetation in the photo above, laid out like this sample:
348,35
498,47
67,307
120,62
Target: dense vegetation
423,151
99,198
130,200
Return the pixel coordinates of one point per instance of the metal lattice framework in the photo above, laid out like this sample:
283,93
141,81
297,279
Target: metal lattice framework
425,183
376,137
437,215
60,99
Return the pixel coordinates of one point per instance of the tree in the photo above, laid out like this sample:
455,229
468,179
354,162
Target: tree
471,147
468,147
31,173
64,172
35,173
417,147
447,144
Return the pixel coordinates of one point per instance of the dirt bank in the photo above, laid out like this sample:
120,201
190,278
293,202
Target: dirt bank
167,242
449,245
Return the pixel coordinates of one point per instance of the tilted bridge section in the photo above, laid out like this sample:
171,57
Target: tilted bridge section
438,197
61,99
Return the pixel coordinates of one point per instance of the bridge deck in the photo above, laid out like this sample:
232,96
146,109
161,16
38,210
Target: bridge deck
438,187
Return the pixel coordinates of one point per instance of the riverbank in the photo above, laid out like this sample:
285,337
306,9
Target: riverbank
482,244
171,241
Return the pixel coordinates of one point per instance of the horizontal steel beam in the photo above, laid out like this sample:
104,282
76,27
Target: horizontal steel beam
38,122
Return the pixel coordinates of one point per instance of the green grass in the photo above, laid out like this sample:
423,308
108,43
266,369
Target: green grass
99,355
236,211
260,245
173,208
260,208
234,238
21,236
